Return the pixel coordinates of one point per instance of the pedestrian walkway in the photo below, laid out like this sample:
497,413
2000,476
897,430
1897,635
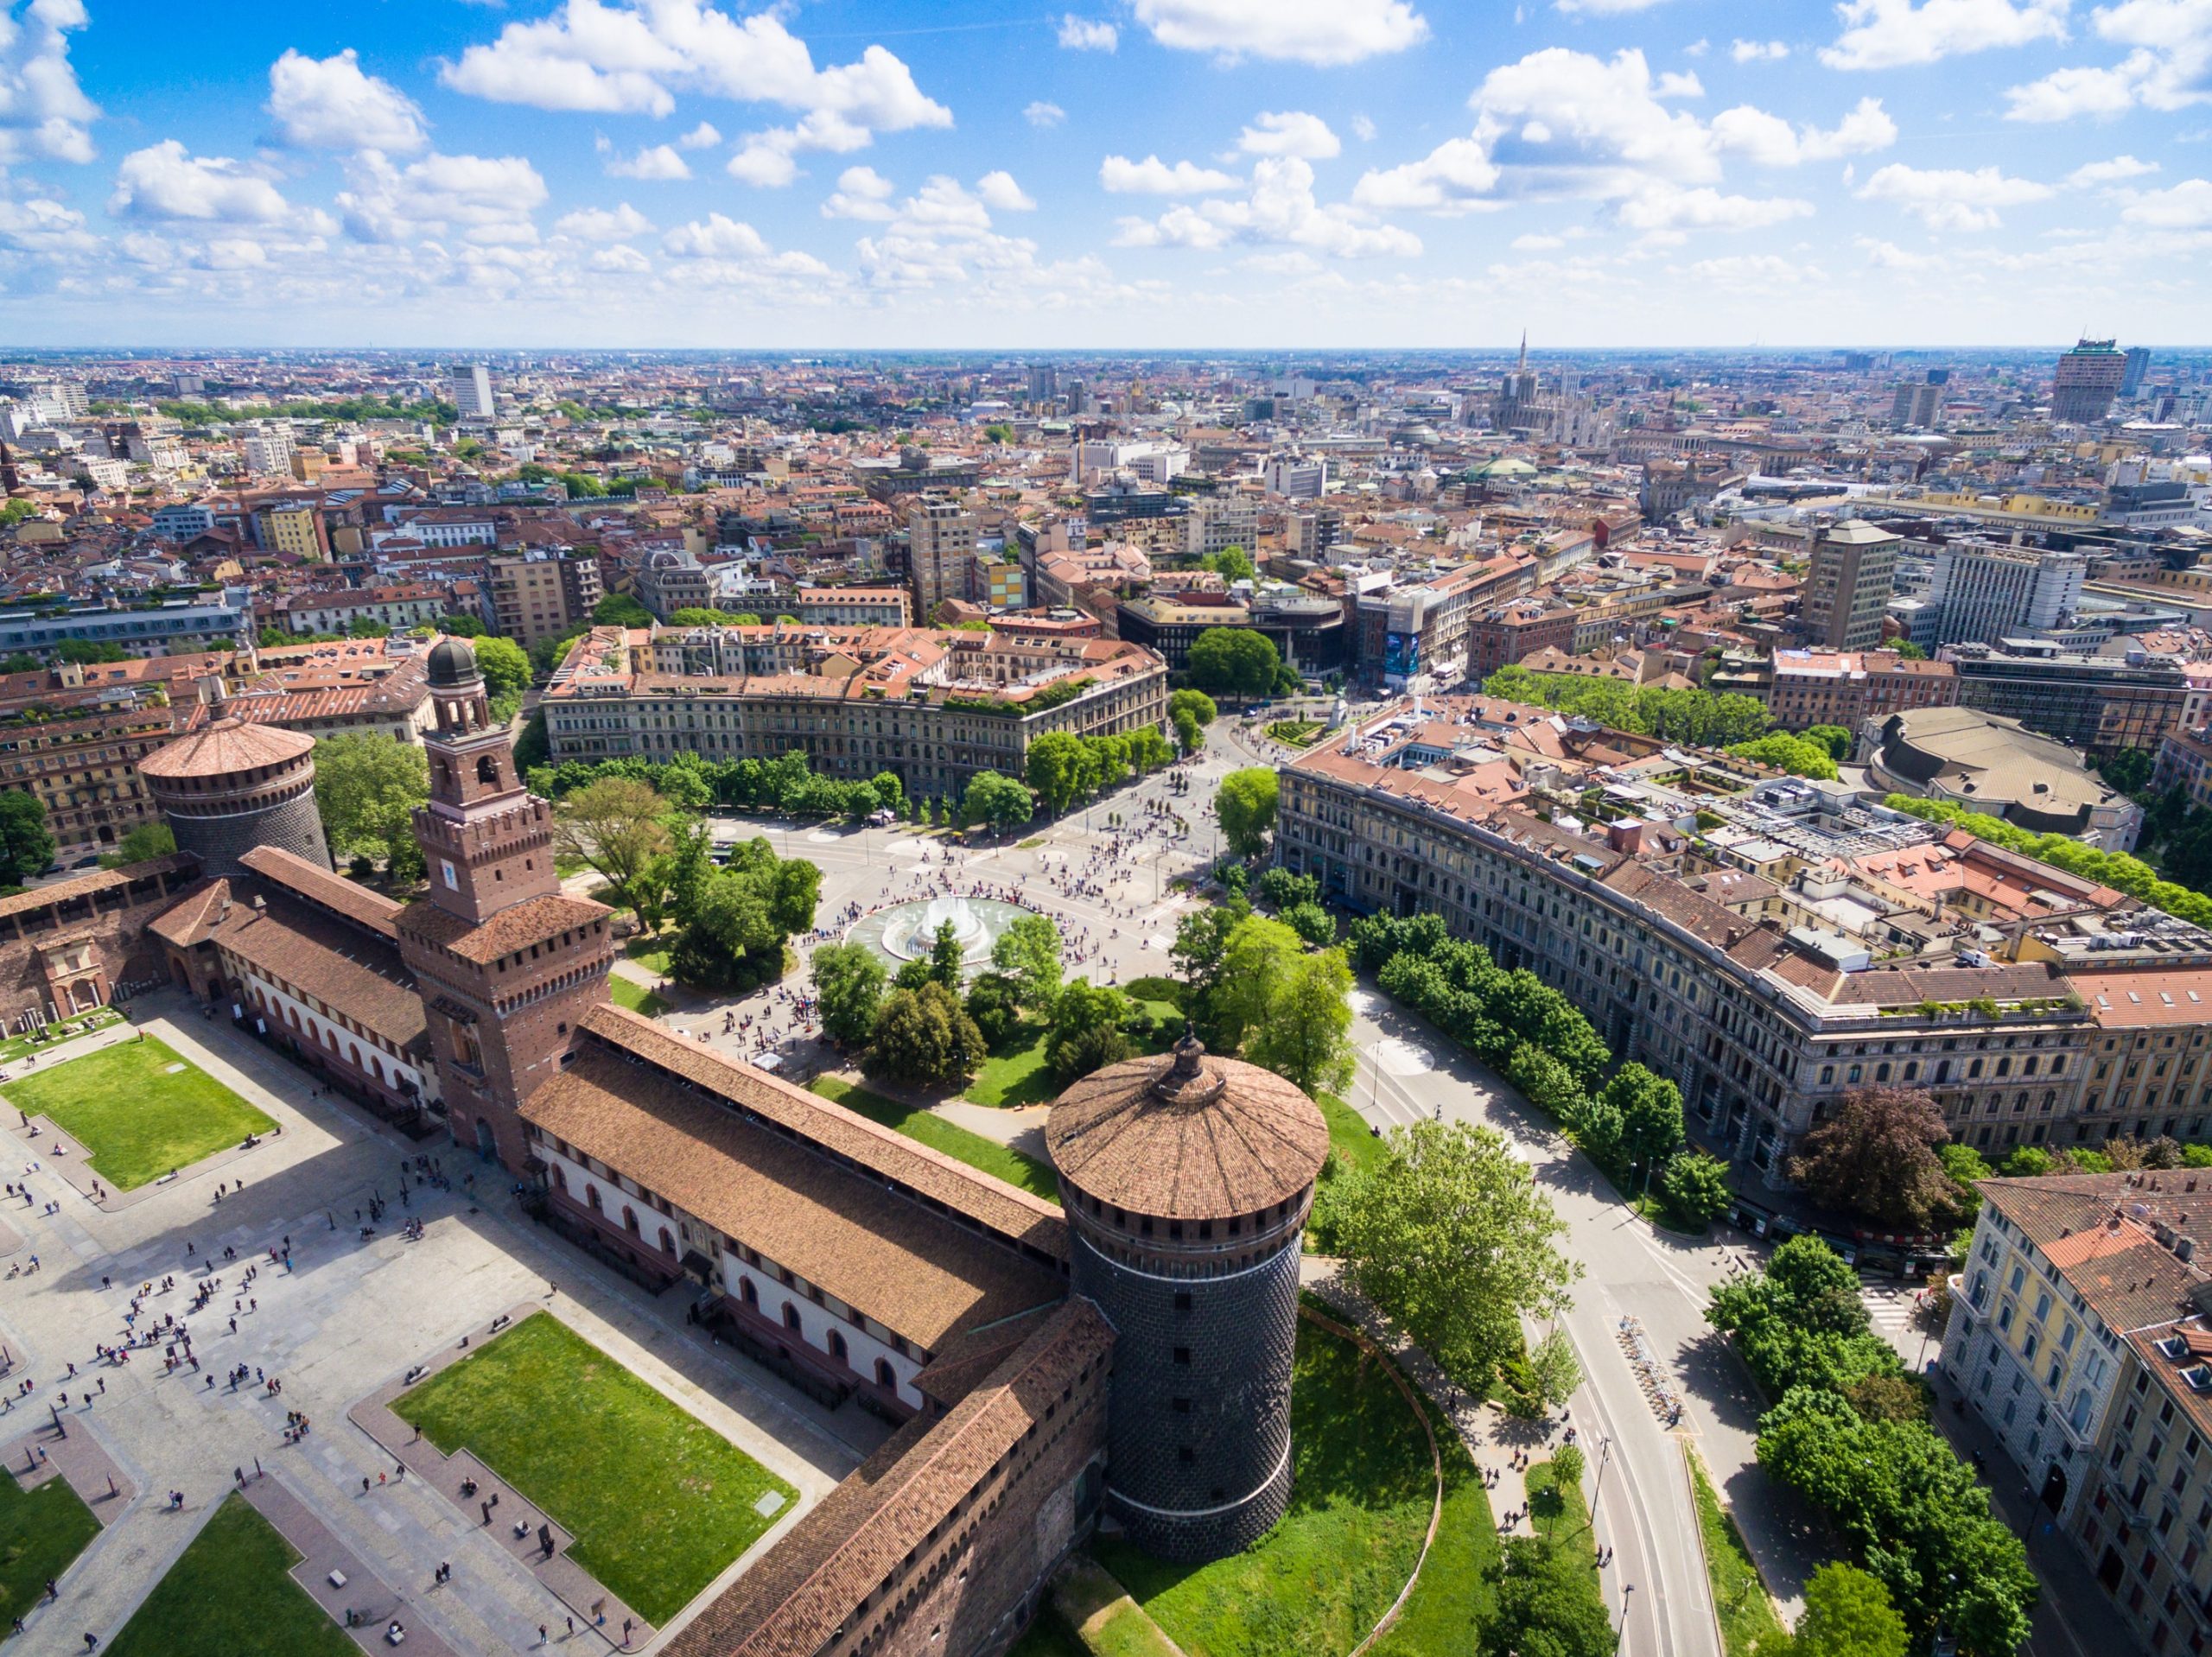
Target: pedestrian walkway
46,1453
352,1594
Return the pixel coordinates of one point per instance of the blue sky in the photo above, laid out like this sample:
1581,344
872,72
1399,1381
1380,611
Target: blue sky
1185,172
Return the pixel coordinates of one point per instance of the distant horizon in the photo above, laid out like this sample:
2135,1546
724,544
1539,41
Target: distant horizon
19,352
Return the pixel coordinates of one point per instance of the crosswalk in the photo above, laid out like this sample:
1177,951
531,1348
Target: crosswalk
1893,1308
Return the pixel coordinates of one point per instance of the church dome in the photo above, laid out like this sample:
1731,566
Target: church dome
452,664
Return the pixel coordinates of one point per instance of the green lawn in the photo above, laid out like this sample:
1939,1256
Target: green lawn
1738,1593
649,952
15,1046
1453,1602
1016,1073
228,1595
1049,1635
40,1531
659,1501
1353,1146
1359,1507
1019,1168
627,992
136,1121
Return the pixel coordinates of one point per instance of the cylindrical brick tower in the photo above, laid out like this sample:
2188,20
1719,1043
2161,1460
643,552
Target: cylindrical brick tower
231,786
1186,1182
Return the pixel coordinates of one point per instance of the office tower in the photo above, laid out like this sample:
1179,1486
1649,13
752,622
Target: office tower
941,550
1854,565
1916,405
2139,363
1990,591
471,391
2088,379
1044,382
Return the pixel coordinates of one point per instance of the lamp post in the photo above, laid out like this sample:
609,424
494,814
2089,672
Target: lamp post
1621,1632
1598,1491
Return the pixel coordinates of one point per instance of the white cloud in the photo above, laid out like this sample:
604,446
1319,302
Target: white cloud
1760,51
862,193
2170,68
657,161
1760,271
1606,8
329,104
1292,132
1088,35
1678,82
164,182
1531,243
38,225
1457,176
1895,34
1042,115
487,200
601,224
1001,194
1322,32
702,137
1153,176
942,236
2119,168
42,109
620,260
1951,199
2186,206
1889,256
1281,211
1706,208
634,55
1771,142
1362,129
729,246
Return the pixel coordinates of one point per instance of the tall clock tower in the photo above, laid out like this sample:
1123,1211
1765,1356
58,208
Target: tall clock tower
506,963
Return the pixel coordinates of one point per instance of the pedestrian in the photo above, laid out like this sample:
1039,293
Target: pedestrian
541,1634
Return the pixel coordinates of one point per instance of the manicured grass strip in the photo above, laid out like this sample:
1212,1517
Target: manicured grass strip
1015,1167
1353,1144
649,952
1738,1592
1453,1602
659,1501
1363,1489
227,1595
136,1120
40,1531
627,992
15,1046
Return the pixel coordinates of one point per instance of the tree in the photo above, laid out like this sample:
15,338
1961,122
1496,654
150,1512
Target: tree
22,662
1547,1604
1834,738
1057,769
849,982
1028,953
1449,1237
1907,650
1557,1373
615,825
1247,807
1085,1032
1201,945
694,615
1696,1188
1255,958
1285,889
1232,662
86,651
2129,771
1304,1034
995,1003
26,846
948,961
1876,1157
148,840
621,610
1652,1114
998,800
460,626
1188,736
366,787
736,938
1232,564
551,650
1801,1320
1847,1614
926,1036
1311,922
1796,755
1197,703
504,665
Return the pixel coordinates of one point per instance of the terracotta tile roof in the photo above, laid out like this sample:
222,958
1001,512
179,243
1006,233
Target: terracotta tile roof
358,974
918,1274
319,886
793,1602
851,1138
1902,986
97,882
517,927
1232,1140
2164,995
223,747
195,920
2097,1230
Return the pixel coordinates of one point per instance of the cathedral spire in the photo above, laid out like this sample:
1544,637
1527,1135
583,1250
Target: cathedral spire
1524,351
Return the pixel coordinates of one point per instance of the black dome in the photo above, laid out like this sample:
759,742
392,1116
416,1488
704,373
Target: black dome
452,664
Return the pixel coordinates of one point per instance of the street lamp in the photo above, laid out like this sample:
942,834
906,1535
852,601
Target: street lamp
1621,1632
1598,1491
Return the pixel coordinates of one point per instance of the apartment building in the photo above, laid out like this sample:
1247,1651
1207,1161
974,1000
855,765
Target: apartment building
2078,1332
1845,688
852,606
538,595
941,554
213,621
413,604
1847,590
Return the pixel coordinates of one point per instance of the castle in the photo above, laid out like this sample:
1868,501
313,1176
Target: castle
1125,1354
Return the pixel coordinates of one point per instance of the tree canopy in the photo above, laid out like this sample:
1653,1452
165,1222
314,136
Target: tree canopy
26,845
366,787
849,981
618,826
1246,803
1233,662
1876,1157
925,1036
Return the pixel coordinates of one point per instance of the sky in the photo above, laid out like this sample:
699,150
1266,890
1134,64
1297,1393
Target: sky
1250,173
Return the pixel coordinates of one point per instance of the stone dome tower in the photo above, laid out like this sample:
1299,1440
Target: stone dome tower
1186,1182
231,786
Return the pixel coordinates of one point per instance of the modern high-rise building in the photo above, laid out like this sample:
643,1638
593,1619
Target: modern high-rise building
471,391
1854,565
1990,591
2088,379
1916,405
2139,363
1044,382
941,550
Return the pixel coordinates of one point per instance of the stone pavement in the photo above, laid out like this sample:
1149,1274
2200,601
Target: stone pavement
48,1452
334,1578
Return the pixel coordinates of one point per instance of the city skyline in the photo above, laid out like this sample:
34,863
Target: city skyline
1166,174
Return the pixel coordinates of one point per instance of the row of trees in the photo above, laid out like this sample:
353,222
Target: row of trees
1848,1430
1064,768
1630,1123
1677,715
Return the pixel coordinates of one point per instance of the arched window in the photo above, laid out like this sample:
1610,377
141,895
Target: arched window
353,1052
746,1292
837,1347
667,1243
790,1316
560,1178
885,1376
292,1017
591,1200
487,770
629,1219
377,1065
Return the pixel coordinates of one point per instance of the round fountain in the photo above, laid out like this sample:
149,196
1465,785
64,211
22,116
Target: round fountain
907,931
